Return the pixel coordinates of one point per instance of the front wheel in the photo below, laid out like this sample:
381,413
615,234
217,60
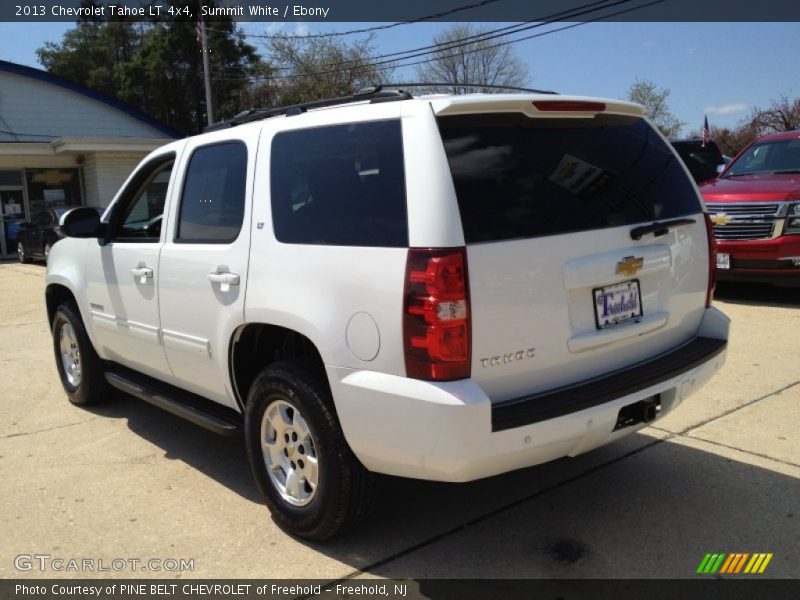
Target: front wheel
80,369
312,483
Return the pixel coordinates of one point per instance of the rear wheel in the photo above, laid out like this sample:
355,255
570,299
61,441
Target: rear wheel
312,483
80,369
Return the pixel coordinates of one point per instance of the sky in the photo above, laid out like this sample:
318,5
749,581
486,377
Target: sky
715,69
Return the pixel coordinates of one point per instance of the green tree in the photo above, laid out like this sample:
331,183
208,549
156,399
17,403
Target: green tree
654,100
730,141
158,67
93,54
166,76
315,68
464,58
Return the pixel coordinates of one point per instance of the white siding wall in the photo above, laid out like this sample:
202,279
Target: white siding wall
104,174
38,108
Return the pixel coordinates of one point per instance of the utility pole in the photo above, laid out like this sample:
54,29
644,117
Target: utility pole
206,66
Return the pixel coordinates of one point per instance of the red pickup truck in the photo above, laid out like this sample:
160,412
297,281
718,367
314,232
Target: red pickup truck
755,207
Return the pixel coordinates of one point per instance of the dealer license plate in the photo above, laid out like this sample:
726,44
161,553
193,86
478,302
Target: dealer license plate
723,260
617,304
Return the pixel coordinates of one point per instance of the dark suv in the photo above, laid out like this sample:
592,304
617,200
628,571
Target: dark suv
755,208
701,159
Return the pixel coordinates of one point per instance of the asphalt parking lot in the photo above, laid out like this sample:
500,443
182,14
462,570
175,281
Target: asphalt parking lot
125,480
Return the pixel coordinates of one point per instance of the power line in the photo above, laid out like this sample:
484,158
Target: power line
544,33
366,29
490,34
17,134
377,67
454,44
541,22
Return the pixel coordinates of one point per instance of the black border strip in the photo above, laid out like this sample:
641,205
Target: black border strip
413,11
563,401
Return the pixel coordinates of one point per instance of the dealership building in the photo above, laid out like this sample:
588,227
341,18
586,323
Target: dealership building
63,145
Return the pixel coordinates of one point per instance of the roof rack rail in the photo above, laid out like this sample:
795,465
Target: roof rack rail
511,88
371,94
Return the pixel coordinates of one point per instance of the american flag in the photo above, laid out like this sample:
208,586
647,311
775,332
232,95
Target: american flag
706,132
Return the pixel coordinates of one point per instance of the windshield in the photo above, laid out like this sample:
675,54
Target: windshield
780,156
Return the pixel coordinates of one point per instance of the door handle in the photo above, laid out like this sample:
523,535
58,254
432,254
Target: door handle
142,273
224,278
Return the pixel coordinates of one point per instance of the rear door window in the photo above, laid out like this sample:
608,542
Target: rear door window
212,203
340,185
520,177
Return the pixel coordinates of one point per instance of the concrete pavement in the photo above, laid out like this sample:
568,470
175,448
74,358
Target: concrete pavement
125,480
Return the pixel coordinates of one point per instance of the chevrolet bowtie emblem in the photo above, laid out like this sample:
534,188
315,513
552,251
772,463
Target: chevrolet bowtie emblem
720,219
630,265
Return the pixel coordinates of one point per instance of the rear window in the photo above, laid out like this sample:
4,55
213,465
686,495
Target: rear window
340,185
518,177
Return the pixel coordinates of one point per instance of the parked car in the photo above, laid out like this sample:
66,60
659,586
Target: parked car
755,208
443,287
702,159
36,237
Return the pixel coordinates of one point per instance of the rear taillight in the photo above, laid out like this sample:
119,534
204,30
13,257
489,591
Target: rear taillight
436,325
712,260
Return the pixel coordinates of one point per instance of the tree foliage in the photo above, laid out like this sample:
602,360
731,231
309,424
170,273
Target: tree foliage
94,54
474,61
654,100
315,68
157,66
783,114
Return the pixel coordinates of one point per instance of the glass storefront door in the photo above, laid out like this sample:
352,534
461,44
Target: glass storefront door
47,189
12,210
13,214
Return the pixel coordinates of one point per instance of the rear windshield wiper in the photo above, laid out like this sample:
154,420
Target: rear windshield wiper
786,171
658,228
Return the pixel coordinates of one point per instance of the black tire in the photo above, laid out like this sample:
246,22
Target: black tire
344,487
91,386
21,255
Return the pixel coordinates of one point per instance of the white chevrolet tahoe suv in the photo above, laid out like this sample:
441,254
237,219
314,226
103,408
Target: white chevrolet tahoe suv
437,287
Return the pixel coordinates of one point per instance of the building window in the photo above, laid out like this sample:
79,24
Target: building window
11,179
53,188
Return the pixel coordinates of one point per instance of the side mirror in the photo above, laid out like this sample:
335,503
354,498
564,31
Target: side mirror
721,168
81,222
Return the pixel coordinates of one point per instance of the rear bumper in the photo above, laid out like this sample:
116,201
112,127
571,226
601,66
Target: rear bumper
451,431
762,260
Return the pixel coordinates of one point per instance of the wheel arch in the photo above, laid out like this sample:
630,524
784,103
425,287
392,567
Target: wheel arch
56,294
254,346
